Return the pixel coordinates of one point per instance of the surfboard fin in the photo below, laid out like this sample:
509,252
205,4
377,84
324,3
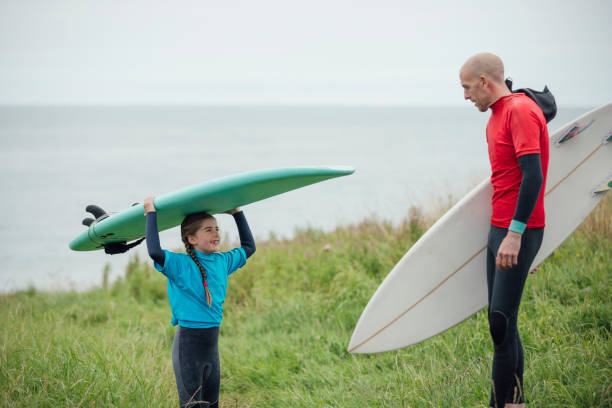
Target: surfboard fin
573,131
96,211
604,187
111,248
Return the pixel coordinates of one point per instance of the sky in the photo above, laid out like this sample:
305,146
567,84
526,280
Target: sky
268,52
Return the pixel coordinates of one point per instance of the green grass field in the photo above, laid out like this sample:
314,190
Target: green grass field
287,322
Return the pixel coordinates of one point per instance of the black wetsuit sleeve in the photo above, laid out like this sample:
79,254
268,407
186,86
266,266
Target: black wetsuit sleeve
152,235
530,186
246,238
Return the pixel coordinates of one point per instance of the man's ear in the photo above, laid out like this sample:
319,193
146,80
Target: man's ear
484,80
487,83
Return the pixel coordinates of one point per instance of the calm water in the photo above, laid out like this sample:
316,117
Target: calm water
54,161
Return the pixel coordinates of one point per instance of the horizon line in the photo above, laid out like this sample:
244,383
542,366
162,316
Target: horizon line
250,105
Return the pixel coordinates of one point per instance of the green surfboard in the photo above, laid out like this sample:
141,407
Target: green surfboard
213,196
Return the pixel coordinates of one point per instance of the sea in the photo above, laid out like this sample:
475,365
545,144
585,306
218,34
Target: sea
55,160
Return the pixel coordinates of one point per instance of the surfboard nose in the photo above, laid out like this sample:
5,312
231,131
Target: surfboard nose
343,169
367,339
355,343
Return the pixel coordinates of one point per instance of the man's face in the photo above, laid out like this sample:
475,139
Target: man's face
475,89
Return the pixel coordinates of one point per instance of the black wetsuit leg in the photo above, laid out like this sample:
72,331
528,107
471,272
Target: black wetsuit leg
195,357
505,289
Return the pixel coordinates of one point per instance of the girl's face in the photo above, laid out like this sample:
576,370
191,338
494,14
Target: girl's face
206,239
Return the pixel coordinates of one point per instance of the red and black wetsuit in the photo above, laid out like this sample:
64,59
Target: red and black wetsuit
517,138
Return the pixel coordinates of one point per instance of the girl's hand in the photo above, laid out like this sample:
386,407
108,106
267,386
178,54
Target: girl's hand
148,205
232,212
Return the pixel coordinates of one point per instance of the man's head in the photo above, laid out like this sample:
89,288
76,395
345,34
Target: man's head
482,79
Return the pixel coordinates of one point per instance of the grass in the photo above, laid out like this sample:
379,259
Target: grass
287,322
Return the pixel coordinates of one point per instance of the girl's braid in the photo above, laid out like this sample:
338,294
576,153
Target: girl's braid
190,226
189,249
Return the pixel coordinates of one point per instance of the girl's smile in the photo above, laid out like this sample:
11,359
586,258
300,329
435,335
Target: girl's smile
206,238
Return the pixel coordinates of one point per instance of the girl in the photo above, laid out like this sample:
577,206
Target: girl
197,283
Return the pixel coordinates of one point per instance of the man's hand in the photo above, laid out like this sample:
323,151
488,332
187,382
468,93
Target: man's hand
507,254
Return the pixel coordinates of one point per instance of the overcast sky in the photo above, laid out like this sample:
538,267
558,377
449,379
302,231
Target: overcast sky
376,52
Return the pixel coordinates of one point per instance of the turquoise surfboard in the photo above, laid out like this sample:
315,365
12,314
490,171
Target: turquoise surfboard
213,196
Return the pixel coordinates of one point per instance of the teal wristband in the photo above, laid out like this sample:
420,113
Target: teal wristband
517,226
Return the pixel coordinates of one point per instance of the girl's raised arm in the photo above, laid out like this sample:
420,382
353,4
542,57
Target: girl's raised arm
151,233
246,238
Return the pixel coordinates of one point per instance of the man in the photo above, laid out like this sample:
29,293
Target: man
517,138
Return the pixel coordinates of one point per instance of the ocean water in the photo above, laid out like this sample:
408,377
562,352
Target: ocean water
54,161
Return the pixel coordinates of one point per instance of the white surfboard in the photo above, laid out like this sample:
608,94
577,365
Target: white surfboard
441,280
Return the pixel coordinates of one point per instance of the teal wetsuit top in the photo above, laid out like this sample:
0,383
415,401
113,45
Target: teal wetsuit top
186,290
185,285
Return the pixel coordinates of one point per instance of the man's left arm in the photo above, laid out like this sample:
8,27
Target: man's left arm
531,183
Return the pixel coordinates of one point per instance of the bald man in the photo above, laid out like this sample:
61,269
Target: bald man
517,138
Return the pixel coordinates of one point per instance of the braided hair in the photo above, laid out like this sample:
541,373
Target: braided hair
190,226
